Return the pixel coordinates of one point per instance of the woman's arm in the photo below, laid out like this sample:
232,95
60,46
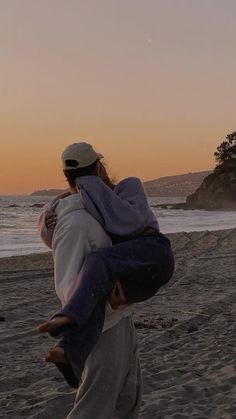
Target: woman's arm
46,224
122,211
47,220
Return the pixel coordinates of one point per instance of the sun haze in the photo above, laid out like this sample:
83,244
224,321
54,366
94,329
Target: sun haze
150,83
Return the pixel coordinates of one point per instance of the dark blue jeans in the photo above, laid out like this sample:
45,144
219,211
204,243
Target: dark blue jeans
142,264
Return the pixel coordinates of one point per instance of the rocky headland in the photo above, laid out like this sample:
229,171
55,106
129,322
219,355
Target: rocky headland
217,191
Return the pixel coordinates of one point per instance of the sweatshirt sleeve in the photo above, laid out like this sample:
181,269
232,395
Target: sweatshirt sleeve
121,211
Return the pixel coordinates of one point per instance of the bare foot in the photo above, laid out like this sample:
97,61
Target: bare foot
53,324
56,355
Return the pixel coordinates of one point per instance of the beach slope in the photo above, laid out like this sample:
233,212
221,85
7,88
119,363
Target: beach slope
186,336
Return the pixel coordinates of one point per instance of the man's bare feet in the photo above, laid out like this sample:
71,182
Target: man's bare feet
53,324
56,355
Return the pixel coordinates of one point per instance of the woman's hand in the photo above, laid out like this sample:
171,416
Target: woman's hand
50,215
50,219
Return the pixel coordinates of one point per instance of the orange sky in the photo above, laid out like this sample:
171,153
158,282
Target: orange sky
151,84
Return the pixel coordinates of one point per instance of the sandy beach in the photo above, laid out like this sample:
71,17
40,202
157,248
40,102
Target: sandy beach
186,335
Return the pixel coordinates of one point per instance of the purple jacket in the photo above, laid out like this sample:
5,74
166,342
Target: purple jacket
122,211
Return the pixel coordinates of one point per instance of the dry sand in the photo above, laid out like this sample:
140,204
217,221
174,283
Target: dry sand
186,333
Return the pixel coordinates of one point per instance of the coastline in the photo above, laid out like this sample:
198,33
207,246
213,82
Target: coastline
19,235
186,336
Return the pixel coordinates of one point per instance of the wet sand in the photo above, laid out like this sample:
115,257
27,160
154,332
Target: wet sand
186,334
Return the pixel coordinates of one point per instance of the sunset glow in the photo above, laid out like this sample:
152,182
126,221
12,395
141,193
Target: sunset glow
150,83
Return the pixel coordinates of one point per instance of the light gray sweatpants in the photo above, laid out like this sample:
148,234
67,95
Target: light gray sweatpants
111,385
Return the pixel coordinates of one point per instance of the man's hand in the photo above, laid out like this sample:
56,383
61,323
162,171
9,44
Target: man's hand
117,296
50,219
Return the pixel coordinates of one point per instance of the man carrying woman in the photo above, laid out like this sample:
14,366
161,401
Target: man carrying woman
89,271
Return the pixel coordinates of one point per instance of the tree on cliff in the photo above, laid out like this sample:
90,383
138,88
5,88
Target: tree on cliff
223,150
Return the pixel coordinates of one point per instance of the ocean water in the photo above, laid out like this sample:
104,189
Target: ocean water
18,218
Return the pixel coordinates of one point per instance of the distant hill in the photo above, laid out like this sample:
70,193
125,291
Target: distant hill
180,185
48,192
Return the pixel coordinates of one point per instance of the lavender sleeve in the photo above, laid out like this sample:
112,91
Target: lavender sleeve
123,210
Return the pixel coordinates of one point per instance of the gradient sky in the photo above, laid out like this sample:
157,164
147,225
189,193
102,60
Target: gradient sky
150,83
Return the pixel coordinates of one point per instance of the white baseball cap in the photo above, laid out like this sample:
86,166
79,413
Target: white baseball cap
81,153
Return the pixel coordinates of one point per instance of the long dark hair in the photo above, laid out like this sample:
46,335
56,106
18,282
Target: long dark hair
97,168
72,174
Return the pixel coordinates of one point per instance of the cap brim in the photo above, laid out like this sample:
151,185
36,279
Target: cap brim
100,156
